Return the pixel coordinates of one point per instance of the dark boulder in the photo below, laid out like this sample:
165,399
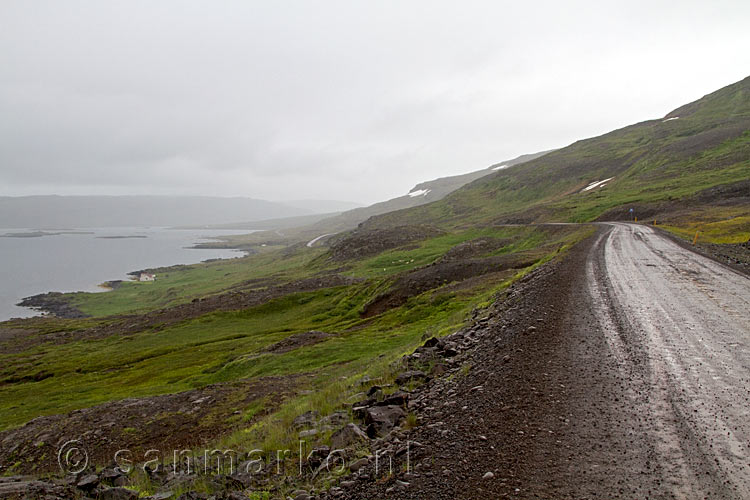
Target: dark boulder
409,376
431,342
347,436
381,419
306,420
88,482
398,398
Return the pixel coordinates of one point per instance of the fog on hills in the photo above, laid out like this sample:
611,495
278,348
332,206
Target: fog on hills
113,211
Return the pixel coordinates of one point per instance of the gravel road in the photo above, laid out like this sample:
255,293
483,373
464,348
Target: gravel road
682,323
620,371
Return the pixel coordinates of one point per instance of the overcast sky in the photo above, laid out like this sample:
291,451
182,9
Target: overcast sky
350,100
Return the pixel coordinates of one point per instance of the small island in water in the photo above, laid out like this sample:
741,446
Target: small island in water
39,234
122,237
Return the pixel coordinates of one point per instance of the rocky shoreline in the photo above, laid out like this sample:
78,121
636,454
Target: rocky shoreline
52,303
58,303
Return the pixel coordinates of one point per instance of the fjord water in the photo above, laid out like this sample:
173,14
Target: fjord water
81,262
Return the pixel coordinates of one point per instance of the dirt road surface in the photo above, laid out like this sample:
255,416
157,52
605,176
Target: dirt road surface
686,321
621,371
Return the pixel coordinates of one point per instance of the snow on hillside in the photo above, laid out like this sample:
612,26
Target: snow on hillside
596,184
419,192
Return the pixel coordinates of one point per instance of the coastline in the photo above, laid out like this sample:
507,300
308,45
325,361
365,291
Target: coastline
58,304
52,303
62,304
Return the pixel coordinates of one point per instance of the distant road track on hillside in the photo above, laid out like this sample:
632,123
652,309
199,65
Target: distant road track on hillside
318,238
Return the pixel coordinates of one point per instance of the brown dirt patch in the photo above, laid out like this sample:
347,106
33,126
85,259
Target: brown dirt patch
442,273
298,340
368,242
14,340
474,248
188,419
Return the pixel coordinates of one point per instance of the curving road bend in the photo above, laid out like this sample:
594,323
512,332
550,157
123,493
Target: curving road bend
678,326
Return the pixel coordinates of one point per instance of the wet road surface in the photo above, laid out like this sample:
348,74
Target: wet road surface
681,323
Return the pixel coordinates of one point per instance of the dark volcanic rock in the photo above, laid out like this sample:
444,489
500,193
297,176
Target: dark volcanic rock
398,398
117,494
348,435
381,419
359,408
55,303
409,376
317,455
25,487
306,420
431,342
88,482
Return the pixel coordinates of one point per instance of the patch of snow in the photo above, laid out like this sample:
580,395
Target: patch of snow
500,167
419,192
596,184
670,119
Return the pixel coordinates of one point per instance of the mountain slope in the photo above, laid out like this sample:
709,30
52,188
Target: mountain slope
650,166
421,194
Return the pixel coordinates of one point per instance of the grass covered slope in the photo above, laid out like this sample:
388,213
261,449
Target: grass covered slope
652,166
426,287
141,378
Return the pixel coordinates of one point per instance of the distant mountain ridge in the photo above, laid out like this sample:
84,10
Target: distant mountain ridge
110,211
421,194
298,228
322,206
438,188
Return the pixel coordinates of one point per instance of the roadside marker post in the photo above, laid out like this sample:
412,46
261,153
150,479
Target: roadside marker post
696,237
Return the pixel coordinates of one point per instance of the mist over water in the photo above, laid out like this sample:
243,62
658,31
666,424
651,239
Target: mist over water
81,262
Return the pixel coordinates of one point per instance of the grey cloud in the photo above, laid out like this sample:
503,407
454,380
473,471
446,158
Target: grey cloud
339,99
